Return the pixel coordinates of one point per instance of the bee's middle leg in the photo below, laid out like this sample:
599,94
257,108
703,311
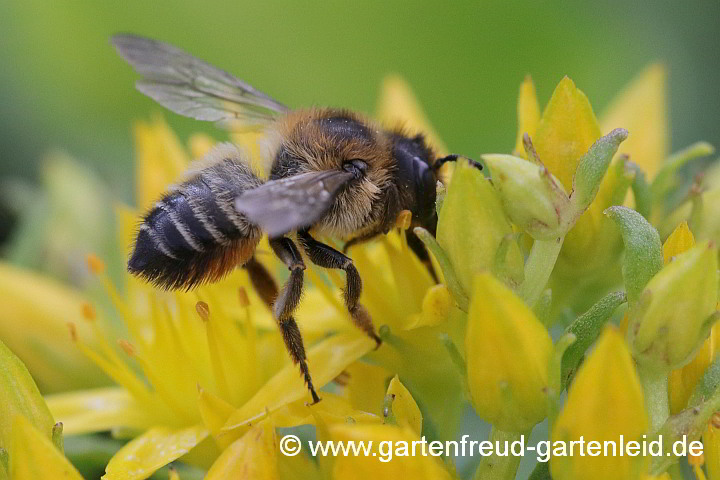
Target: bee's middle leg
286,302
327,257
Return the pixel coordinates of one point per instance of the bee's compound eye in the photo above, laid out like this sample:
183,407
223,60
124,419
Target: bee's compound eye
356,167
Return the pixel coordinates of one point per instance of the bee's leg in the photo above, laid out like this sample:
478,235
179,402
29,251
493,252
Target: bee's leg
327,257
286,302
262,281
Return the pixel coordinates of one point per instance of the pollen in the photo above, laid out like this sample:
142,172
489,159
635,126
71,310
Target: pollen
127,347
403,220
203,310
95,264
88,312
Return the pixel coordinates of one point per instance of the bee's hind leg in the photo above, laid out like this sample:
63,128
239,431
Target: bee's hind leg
286,302
327,257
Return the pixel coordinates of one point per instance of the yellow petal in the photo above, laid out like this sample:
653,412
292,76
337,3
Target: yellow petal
326,360
398,106
667,328
679,241
43,342
604,402
711,441
508,351
366,386
214,412
200,144
332,409
152,450
33,455
386,439
254,456
566,131
161,160
404,408
642,109
19,397
528,112
98,410
436,306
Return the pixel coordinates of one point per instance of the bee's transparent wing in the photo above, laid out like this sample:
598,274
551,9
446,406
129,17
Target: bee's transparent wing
192,87
292,203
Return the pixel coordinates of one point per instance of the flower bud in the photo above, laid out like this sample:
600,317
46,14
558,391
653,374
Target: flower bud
532,198
471,227
604,403
508,351
670,320
20,397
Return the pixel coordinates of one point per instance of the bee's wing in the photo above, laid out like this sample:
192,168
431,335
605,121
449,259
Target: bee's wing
192,87
291,203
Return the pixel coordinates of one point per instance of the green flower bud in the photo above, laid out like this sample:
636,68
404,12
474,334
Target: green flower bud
532,198
671,318
472,227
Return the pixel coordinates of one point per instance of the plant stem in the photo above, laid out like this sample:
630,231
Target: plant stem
497,467
657,404
538,268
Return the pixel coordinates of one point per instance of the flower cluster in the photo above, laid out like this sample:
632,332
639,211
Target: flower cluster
550,298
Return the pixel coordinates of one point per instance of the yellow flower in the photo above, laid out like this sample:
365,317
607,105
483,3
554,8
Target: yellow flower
386,461
42,342
682,381
711,441
669,321
19,397
244,369
605,402
642,109
472,227
561,136
27,427
508,351
33,455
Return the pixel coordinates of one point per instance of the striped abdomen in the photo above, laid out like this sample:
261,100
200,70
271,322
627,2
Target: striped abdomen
193,234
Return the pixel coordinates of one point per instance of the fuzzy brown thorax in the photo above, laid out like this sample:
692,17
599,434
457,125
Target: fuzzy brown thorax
327,139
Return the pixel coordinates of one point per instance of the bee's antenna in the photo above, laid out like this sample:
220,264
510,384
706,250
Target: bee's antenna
453,158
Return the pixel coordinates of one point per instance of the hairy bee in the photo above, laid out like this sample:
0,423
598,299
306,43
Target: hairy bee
333,172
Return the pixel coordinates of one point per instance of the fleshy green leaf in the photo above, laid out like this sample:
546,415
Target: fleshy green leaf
643,249
592,167
587,328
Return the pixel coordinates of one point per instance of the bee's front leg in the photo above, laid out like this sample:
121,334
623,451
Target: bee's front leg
286,302
327,257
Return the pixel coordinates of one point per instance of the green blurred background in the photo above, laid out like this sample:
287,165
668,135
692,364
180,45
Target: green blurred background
62,86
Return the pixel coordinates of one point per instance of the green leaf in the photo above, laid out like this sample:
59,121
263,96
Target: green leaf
586,328
641,191
643,249
592,167
666,179
451,279
708,384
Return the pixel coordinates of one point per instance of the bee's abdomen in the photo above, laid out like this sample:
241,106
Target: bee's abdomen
194,234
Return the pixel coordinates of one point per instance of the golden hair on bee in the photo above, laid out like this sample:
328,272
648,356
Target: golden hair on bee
332,171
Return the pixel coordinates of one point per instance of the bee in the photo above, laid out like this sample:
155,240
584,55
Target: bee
333,173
